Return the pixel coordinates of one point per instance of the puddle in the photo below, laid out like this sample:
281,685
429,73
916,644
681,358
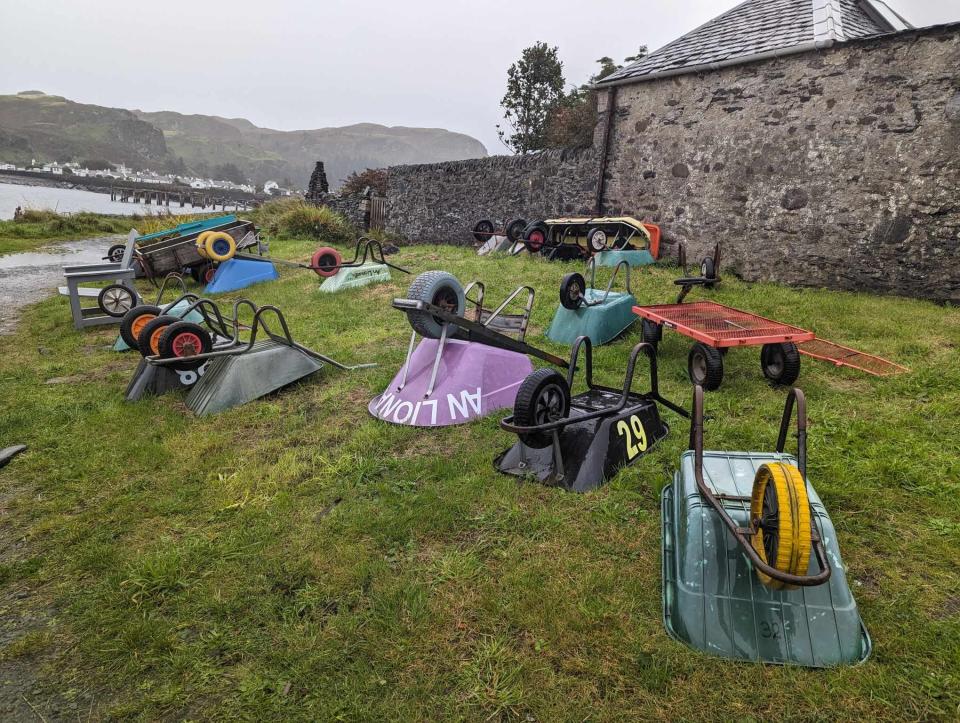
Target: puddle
28,277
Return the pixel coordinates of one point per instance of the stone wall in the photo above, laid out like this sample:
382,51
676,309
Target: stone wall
838,168
353,207
441,202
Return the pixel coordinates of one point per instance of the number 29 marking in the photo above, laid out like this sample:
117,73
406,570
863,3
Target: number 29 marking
635,434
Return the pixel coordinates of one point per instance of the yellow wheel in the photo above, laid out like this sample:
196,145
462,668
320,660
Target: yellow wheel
219,246
780,506
201,244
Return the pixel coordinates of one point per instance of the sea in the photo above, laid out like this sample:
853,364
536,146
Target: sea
71,200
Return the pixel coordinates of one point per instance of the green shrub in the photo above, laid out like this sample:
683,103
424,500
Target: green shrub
298,219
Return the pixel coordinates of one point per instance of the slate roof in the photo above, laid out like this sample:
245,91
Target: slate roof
763,26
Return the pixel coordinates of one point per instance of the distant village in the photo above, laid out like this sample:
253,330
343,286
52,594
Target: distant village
120,172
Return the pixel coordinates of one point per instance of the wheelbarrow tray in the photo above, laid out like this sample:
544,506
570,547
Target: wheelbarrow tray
165,253
713,601
722,326
593,450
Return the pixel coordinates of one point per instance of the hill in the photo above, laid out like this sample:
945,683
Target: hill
46,127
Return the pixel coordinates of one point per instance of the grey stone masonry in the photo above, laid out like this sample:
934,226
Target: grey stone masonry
838,168
441,202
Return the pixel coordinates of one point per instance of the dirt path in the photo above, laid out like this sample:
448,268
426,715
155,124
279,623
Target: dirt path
28,277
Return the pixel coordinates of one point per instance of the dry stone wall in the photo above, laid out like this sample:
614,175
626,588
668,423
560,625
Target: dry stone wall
441,202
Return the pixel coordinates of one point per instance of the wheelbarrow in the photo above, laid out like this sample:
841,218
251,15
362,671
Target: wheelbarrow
580,442
470,361
587,311
491,240
751,564
237,370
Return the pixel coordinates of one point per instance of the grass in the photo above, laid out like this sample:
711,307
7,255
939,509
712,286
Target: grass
296,559
40,227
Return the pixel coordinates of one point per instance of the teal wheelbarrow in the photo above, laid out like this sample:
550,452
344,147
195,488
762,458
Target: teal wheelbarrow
751,564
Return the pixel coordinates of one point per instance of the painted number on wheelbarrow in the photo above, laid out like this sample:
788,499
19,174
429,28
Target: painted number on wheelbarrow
634,434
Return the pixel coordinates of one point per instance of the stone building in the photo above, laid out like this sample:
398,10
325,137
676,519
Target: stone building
819,140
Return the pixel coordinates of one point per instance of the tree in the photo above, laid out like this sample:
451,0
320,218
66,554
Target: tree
372,178
572,120
534,86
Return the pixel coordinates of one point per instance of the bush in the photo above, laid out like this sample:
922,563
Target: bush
294,218
375,178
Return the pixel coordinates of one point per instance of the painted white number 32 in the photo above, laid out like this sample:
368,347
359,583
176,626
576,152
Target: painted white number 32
636,436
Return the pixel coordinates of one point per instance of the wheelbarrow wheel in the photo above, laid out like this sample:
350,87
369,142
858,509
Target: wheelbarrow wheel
116,300
708,270
483,231
535,237
780,362
780,513
440,289
651,331
326,261
514,229
572,290
705,366
543,397
220,246
133,322
115,253
201,244
597,240
148,342
184,340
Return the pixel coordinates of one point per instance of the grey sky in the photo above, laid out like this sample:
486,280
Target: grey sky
293,64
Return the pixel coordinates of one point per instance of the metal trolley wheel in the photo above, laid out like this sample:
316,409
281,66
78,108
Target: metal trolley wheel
542,398
780,513
514,229
780,362
597,239
115,253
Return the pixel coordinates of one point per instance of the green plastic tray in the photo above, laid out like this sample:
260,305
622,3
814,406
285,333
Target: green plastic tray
602,323
713,601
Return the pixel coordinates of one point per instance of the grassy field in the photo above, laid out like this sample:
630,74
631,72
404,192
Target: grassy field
296,559
39,228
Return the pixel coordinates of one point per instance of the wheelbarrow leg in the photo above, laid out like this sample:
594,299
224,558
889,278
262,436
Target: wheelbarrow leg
436,362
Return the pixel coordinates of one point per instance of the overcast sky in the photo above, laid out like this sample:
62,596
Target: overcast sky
293,64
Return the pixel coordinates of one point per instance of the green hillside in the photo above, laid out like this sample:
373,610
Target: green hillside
44,127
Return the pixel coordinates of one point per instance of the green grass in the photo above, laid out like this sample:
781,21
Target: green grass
39,228
296,559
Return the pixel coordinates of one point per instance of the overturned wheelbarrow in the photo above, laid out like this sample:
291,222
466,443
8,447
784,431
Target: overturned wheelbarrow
470,361
368,266
509,238
236,370
751,564
580,442
584,310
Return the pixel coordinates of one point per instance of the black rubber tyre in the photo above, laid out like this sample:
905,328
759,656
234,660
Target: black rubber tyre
130,322
572,288
199,273
483,231
183,340
536,237
116,300
514,229
543,397
598,240
780,362
440,289
705,366
707,270
115,253
651,331
152,332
